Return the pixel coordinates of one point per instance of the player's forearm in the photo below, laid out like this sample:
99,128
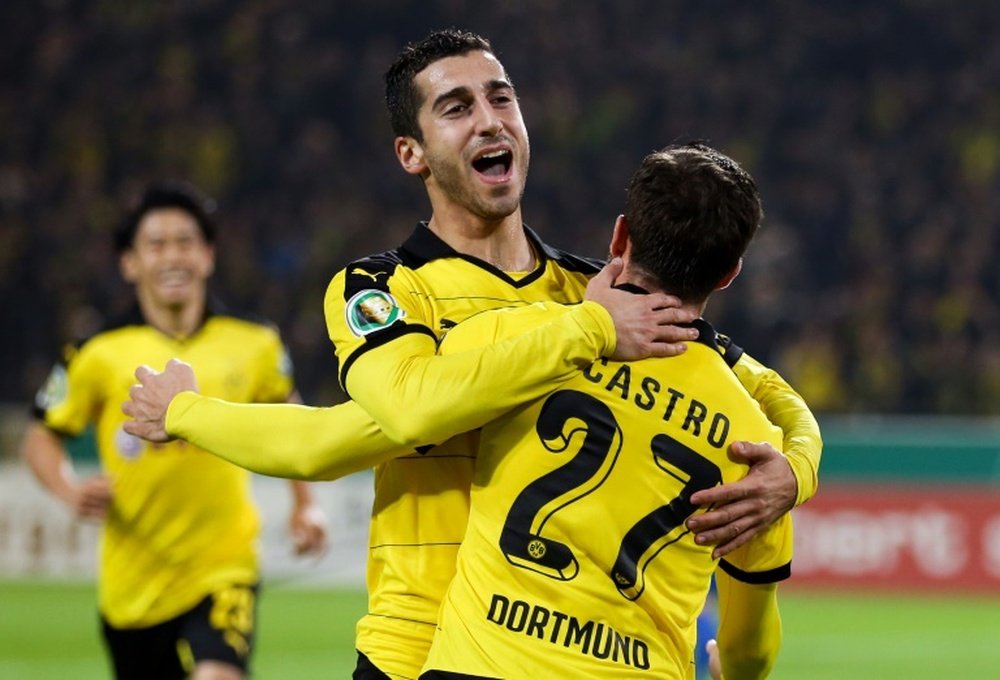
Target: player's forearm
749,635
45,455
282,440
802,443
427,398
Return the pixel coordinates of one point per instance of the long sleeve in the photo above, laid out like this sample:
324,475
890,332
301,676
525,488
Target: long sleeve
749,634
803,443
282,440
419,397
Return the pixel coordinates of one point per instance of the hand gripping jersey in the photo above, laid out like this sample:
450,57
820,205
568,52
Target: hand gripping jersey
576,562
182,522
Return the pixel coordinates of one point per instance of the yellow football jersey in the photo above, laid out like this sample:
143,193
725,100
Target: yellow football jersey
424,288
387,311
182,522
576,562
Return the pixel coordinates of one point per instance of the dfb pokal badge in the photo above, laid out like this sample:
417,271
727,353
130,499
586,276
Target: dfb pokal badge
372,310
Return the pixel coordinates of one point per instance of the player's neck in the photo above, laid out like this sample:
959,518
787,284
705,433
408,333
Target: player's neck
180,321
650,285
502,243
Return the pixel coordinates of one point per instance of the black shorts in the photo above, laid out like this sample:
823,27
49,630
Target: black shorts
219,628
366,670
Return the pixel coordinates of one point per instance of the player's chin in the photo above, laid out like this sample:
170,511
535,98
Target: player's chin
175,296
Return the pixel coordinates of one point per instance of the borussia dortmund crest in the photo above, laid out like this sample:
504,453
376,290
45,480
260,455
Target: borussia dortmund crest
371,310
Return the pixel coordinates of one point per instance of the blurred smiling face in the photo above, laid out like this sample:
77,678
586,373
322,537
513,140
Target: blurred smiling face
169,261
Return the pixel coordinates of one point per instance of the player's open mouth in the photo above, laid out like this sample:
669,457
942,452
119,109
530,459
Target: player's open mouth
174,278
494,164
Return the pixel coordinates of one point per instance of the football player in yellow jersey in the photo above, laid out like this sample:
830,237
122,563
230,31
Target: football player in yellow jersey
459,129
178,558
576,562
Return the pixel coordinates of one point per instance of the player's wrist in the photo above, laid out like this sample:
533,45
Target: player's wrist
600,326
181,403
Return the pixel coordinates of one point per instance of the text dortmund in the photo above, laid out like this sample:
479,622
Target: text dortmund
596,639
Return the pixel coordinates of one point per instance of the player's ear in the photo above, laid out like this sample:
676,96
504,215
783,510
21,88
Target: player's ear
210,261
619,237
411,155
731,276
127,266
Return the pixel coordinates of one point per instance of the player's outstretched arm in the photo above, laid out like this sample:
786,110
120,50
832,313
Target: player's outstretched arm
775,483
419,397
280,440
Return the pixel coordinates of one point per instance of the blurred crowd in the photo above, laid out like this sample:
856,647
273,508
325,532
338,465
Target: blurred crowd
872,127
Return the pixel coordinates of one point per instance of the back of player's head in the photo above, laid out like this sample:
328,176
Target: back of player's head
691,213
402,98
180,195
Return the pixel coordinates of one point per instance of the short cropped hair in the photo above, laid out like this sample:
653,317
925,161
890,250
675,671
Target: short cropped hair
180,195
691,212
402,98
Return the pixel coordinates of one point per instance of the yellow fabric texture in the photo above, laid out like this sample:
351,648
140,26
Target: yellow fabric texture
421,500
283,440
182,522
749,634
802,443
576,562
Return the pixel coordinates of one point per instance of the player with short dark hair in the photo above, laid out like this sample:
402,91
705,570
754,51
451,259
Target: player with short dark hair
576,561
385,314
166,195
402,96
179,566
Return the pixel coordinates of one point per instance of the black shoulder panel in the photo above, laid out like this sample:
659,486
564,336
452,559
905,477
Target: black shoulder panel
371,272
731,352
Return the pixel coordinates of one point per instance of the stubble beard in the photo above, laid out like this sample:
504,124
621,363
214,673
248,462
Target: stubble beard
460,186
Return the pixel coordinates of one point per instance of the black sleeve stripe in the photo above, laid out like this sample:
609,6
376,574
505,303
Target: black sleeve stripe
379,338
757,577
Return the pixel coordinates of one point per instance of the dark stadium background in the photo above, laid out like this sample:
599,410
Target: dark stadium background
873,128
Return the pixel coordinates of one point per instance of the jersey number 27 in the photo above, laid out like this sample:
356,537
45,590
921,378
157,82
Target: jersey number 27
568,415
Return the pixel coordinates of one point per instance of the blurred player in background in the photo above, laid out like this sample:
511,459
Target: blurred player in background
459,129
179,566
539,593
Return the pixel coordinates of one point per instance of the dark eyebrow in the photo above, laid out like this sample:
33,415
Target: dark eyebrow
494,85
455,92
463,91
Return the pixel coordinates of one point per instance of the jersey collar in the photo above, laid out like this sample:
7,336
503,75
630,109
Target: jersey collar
135,317
424,245
707,335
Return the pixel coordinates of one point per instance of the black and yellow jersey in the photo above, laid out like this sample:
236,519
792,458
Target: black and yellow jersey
381,312
182,522
385,315
576,562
